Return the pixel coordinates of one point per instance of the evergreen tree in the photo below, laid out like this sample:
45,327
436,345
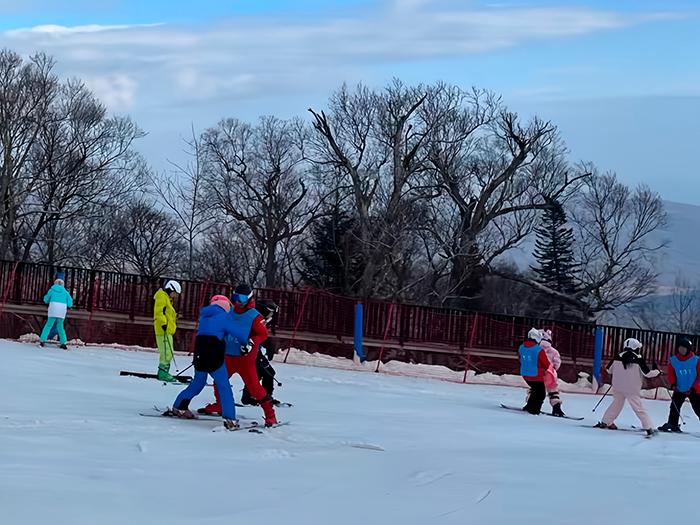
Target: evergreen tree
332,260
554,251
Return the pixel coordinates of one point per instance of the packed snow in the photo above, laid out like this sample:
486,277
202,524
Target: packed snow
360,448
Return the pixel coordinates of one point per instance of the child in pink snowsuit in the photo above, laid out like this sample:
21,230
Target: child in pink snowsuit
627,369
551,378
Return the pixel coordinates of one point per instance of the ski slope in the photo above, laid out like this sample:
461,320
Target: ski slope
361,448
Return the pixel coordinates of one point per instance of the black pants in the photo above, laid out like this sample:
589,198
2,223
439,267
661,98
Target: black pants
677,401
266,374
538,393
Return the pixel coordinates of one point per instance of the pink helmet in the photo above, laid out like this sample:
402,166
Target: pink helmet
222,301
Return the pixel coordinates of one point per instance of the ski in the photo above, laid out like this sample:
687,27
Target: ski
278,404
181,379
691,434
251,427
543,413
618,429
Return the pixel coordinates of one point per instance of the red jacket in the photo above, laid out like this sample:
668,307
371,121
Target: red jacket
542,362
258,331
672,373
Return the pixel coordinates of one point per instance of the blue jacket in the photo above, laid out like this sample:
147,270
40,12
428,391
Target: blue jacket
217,322
58,294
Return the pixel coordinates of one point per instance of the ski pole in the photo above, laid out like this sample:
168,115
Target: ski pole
183,371
601,399
166,340
273,377
673,403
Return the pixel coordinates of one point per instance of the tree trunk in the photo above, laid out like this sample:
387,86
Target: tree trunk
271,264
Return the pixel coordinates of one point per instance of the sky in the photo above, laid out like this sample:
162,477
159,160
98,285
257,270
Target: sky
619,78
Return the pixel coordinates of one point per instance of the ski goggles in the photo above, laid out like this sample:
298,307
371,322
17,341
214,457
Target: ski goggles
240,298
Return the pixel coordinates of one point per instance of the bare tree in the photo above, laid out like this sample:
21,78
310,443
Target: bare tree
27,91
614,246
229,253
495,174
183,193
81,161
258,176
371,145
148,241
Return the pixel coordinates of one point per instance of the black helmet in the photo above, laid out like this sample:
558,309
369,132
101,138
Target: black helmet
267,308
242,294
685,343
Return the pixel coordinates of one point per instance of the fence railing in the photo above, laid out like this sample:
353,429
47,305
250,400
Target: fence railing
316,311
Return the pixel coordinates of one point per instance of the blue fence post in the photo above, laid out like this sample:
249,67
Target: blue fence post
598,354
358,332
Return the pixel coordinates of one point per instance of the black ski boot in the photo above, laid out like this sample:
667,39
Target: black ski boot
667,427
247,399
557,411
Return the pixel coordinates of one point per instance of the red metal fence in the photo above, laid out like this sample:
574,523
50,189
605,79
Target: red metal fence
458,339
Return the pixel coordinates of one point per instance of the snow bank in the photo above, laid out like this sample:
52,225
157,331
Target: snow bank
397,368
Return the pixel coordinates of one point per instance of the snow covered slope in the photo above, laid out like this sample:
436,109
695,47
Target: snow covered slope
74,451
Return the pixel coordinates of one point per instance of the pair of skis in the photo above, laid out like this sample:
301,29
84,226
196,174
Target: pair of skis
519,409
252,426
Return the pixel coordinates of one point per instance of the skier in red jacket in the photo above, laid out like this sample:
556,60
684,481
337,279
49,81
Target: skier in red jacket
684,379
242,352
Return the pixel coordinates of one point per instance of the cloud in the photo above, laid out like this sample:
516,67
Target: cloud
50,29
252,56
117,91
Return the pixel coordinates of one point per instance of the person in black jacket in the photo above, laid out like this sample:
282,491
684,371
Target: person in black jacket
266,352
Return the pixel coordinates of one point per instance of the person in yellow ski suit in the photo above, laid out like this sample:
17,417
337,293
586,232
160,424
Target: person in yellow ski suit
165,324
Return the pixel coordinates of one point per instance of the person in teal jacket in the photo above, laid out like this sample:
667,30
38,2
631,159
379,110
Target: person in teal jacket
59,300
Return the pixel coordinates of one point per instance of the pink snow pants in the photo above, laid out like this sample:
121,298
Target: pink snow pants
635,401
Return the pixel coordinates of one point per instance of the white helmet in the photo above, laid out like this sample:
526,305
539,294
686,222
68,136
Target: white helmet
535,335
173,286
632,344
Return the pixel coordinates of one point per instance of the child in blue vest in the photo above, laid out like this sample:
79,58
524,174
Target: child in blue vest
533,366
684,378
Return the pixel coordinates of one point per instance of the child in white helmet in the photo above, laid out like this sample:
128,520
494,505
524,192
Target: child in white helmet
627,369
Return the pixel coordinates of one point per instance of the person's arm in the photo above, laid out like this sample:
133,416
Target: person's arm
609,367
159,310
47,297
671,373
543,362
645,369
258,334
556,359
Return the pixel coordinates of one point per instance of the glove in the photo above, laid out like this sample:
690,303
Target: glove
245,349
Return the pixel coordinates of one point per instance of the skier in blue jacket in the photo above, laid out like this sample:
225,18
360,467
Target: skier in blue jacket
215,324
59,300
